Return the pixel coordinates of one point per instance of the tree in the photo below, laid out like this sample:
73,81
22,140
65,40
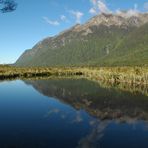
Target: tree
7,6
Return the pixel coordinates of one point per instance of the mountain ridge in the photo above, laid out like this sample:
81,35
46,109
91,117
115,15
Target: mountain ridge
92,43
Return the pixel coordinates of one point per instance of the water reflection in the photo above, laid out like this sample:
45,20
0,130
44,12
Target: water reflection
118,118
99,101
71,113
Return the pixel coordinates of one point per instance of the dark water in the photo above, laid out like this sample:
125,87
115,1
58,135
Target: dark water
71,114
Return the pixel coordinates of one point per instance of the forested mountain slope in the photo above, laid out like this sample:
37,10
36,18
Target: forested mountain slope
105,40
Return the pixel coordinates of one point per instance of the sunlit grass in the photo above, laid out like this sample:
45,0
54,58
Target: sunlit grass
131,75
7,72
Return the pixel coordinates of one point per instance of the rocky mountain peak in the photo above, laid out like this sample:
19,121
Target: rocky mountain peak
124,19
106,39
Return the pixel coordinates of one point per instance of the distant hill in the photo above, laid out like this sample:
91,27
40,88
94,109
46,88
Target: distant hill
105,40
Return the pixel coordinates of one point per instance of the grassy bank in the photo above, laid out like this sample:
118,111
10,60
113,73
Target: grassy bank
130,75
7,72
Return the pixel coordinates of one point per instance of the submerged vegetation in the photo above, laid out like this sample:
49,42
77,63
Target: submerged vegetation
130,75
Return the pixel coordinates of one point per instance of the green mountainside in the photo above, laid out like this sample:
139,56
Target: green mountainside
105,40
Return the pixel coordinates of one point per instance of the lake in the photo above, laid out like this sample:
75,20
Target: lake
71,113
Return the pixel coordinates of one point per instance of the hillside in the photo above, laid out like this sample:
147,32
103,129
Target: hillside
132,50
105,40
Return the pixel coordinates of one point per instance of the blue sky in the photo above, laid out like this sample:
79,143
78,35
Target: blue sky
36,19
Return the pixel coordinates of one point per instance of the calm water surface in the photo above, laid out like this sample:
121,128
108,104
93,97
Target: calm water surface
71,114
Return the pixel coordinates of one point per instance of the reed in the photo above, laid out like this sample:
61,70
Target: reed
130,75
7,72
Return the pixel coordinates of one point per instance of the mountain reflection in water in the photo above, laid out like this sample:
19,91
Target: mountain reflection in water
104,103
117,116
71,113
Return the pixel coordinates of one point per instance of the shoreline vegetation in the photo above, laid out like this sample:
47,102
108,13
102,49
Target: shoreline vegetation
132,79
130,75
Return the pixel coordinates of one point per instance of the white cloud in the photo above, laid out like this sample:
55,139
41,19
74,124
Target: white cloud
132,12
103,7
99,6
63,18
128,13
92,11
77,14
146,6
51,22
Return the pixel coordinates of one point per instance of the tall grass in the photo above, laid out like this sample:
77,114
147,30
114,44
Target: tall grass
7,72
130,75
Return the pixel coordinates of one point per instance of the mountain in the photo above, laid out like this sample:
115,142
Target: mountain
105,40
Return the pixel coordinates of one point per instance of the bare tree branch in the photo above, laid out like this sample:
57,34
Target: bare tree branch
7,6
